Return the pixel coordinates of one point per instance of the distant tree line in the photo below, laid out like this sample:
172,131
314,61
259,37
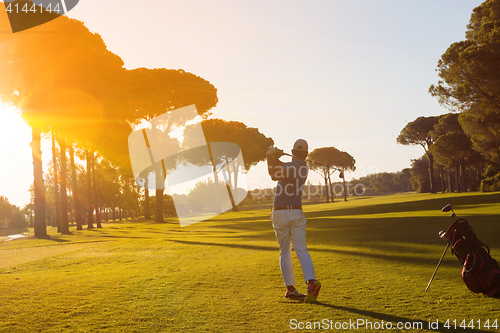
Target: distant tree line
386,182
11,217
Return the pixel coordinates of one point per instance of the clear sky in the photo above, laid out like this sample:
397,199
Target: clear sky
348,74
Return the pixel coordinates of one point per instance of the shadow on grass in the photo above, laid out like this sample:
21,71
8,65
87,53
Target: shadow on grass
378,256
421,230
410,206
391,318
59,240
241,246
50,238
328,226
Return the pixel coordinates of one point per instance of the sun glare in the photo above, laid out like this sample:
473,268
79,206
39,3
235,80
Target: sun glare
15,156
13,129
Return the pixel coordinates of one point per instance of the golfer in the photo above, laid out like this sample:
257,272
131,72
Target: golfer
288,219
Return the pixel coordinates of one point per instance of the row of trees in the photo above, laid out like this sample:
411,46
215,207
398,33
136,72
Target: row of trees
465,145
387,182
325,161
450,162
71,88
67,84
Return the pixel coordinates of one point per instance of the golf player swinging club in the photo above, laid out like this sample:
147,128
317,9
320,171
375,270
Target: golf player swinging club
288,219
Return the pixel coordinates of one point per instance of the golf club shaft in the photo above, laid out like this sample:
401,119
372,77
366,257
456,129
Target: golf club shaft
311,161
439,263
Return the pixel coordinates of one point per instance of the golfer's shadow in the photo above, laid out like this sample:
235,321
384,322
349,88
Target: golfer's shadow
389,318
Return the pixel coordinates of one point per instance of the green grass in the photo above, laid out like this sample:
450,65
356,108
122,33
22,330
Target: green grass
374,257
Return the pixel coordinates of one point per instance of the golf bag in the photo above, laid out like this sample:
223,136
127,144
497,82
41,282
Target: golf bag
480,273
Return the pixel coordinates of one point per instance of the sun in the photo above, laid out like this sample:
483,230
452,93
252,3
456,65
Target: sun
13,129
16,172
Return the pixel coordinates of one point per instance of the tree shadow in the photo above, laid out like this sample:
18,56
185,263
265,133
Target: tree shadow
391,318
409,206
379,256
241,246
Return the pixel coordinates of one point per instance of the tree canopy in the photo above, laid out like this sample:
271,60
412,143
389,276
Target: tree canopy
452,147
153,92
253,144
421,132
332,157
65,80
469,82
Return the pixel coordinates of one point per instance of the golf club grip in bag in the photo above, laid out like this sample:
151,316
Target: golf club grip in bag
480,273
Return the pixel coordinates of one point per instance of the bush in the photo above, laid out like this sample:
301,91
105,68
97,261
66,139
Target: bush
4,222
491,184
17,221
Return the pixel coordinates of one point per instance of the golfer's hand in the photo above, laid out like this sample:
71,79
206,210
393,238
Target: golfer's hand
275,152
271,151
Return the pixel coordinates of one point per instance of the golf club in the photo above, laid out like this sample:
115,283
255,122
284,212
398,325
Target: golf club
439,263
447,208
341,175
442,234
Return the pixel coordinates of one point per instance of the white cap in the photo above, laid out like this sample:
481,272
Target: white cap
300,145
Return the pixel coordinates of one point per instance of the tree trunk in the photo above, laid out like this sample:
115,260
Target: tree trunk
236,166
76,195
147,212
36,150
160,183
228,170
216,180
457,176
450,187
96,195
90,208
462,175
442,179
431,172
56,184
345,189
472,179
64,193
159,206
230,189
332,195
327,192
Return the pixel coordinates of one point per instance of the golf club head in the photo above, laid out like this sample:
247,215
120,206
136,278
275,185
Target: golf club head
442,234
446,208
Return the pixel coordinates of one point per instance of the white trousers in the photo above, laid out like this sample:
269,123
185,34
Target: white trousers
290,227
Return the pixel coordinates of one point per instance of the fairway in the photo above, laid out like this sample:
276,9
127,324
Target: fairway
374,257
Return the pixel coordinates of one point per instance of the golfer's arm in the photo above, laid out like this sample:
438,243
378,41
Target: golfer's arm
275,168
